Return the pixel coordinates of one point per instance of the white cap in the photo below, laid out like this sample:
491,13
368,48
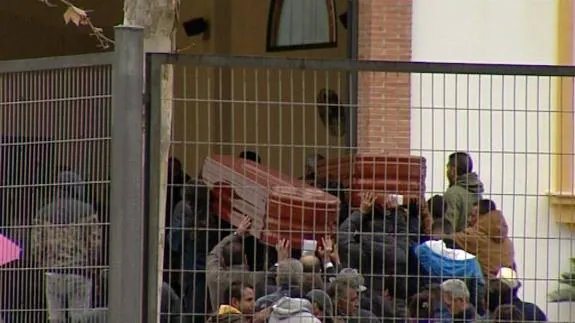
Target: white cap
508,276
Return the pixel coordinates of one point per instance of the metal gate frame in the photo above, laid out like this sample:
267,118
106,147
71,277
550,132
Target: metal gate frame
136,142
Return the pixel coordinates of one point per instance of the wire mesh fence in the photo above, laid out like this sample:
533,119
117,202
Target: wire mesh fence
269,197
266,139
54,166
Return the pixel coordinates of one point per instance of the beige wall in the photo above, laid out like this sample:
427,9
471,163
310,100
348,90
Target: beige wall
215,110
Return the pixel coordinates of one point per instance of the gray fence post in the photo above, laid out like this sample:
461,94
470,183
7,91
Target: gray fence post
126,278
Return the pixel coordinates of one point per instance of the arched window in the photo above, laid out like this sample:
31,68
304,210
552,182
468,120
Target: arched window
301,24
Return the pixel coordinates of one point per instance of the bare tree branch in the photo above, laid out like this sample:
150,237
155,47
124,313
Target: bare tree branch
80,18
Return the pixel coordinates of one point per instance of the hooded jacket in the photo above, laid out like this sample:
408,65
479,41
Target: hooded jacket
293,310
488,240
460,198
67,234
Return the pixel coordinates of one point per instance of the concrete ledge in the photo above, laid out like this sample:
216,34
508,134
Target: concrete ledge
563,207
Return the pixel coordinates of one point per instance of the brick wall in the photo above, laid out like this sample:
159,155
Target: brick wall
384,98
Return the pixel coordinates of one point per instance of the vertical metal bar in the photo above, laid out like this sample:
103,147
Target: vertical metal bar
153,164
353,53
127,217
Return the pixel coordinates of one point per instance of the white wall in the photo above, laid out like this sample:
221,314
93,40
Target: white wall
504,122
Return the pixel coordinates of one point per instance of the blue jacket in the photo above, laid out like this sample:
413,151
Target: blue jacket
440,261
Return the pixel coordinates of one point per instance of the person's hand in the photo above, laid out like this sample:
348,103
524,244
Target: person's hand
329,250
283,249
367,201
262,315
244,226
322,251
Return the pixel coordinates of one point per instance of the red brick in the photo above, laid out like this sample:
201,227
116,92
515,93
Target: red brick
384,98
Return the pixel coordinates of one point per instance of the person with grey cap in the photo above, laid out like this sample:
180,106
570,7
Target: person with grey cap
372,298
456,298
354,276
322,305
344,291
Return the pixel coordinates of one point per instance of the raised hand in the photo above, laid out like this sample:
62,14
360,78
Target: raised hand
283,249
244,226
367,201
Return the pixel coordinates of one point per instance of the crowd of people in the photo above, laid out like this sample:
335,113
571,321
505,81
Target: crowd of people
381,265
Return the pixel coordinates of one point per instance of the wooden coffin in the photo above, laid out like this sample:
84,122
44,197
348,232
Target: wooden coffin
281,207
388,174
338,169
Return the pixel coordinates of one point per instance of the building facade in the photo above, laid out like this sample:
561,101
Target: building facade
518,129
509,124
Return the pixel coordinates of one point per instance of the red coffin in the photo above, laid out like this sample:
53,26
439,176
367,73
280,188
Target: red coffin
281,207
383,174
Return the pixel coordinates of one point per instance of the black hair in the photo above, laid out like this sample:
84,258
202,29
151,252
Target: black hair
437,206
485,206
507,314
233,254
236,290
442,225
175,169
251,155
498,293
462,163
420,306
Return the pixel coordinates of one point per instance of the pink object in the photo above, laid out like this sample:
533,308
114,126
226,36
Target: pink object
9,251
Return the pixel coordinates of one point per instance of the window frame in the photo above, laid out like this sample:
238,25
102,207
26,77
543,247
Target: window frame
273,24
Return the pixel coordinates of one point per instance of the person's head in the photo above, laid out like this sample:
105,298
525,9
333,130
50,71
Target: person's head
440,227
455,295
251,155
233,255
354,278
458,164
508,276
175,170
420,307
437,206
242,297
482,207
322,304
311,264
312,281
498,293
345,295
289,273
507,314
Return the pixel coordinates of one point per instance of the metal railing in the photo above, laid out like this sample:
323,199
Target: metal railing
100,116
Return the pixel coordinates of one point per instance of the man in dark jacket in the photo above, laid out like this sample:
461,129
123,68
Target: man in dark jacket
465,190
345,291
188,234
376,238
504,290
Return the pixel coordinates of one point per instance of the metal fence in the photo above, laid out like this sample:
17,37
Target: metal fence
280,115
55,140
